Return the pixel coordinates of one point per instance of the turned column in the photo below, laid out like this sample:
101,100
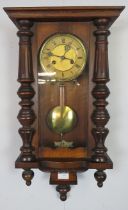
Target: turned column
100,92
26,115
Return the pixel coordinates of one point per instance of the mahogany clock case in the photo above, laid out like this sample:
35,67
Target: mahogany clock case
91,25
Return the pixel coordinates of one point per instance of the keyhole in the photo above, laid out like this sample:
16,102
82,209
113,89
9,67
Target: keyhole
53,62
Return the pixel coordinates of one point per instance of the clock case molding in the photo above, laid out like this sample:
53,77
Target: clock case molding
92,25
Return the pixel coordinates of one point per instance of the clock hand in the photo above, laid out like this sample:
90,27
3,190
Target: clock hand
50,54
71,61
67,48
62,57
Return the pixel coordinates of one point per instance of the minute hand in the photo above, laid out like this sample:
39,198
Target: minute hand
68,59
66,49
59,56
62,57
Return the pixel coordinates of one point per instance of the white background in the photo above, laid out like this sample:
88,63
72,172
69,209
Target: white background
14,194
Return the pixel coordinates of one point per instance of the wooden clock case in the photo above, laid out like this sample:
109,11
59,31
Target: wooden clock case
91,25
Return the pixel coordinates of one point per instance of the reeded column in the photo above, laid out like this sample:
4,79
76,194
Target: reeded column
100,92
26,115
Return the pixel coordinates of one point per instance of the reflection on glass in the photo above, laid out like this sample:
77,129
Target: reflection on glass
46,74
46,77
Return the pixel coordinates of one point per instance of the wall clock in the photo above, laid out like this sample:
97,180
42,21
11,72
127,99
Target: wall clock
63,72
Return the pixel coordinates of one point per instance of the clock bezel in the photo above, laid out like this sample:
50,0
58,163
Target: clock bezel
84,47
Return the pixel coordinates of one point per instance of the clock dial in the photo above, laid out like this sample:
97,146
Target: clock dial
63,54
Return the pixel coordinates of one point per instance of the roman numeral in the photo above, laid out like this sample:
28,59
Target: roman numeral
63,40
70,43
49,65
45,51
77,66
54,43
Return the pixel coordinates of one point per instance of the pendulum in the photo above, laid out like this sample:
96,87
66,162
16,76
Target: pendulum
62,119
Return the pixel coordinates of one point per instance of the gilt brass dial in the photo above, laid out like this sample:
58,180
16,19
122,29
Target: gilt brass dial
64,55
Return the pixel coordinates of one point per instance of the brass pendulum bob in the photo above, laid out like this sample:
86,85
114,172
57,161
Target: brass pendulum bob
62,119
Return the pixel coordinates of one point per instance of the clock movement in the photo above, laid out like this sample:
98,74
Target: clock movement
63,72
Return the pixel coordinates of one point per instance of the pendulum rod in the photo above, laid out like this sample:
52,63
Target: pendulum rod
62,95
62,101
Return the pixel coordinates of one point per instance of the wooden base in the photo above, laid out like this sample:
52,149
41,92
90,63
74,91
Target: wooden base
71,164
